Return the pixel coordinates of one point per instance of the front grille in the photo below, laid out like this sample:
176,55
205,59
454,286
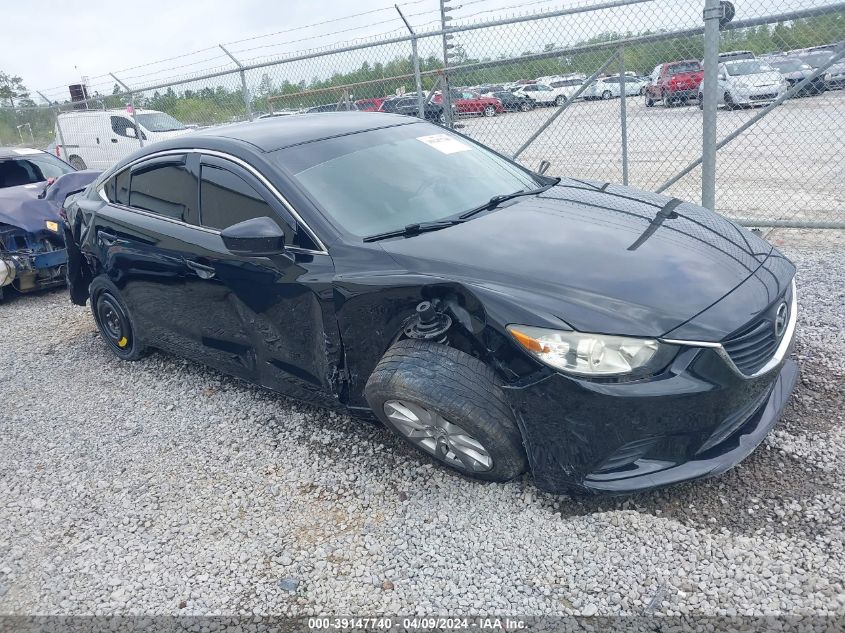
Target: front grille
768,95
751,347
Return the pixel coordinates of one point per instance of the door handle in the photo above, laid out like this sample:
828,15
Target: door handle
107,238
202,271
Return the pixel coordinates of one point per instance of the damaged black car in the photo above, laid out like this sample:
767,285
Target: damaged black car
33,187
607,339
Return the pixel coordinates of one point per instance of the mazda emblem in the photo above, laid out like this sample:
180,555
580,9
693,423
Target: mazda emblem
781,317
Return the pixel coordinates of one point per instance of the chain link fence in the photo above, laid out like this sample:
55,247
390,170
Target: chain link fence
608,91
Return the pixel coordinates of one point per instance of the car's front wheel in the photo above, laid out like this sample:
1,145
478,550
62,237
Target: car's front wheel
560,100
446,403
524,106
113,320
489,111
606,95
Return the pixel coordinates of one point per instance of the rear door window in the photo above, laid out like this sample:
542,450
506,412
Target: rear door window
164,187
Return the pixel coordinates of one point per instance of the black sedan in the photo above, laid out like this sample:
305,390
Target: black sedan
499,320
513,102
409,105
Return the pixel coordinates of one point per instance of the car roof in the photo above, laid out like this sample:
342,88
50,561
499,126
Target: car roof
276,133
17,152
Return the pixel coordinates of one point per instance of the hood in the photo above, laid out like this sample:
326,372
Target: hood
601,258
21,206
764,78
163,136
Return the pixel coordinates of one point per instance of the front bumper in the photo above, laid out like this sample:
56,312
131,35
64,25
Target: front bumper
697,419
33,270
759,94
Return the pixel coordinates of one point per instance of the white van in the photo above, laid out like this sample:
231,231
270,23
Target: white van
96,139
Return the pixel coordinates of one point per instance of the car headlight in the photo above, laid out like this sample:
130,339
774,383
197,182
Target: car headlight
597,355
52,226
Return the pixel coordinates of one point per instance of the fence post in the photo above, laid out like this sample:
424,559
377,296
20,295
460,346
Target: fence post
710,91
415,58
138,134
623,113
244,89
446,91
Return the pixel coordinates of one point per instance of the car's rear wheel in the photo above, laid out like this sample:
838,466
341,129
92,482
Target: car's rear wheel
489,111
446,404
700,101
606,95
729,102
560,100
524,106
77,163
649,102
113,319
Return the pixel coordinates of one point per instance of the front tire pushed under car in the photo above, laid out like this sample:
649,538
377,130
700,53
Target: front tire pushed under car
113,320
446,403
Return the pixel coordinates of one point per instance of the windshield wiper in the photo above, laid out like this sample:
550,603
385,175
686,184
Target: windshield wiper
414,229
493,202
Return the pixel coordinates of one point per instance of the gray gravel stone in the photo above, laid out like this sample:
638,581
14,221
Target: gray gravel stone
164,487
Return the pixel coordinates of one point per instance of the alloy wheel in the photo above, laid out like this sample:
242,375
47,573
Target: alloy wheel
438,436
489,111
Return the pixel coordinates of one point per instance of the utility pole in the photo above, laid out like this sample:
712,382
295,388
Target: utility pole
712,16
446,91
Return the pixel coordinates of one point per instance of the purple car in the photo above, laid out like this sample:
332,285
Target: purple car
33,188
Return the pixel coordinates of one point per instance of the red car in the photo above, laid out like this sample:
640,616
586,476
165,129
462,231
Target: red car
472,103
370,105
674,83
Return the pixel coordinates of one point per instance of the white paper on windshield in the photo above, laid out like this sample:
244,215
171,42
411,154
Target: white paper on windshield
444,143
26,152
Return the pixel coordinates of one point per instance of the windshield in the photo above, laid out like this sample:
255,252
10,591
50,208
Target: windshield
685,67
385,179
789,65
158,122
31,169
746,67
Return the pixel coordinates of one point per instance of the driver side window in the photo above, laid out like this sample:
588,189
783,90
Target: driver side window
120,124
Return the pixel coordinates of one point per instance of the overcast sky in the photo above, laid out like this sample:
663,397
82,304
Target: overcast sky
64,41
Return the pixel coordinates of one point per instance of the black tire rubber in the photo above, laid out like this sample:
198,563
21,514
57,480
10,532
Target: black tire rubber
729,102
649,102
105,296
524,107
700,101
77,163
606,95
459,387
560,100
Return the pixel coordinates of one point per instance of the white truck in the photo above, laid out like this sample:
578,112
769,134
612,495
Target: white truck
96,139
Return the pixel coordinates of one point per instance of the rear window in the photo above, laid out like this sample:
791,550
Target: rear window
684,67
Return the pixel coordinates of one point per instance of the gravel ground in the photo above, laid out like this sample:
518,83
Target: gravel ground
162,487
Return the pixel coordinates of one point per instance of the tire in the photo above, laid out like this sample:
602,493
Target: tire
489,111
524,106
77,163
649,102
560,100
700,101
607,95
729,102
453,388
642,91
116,325
442,118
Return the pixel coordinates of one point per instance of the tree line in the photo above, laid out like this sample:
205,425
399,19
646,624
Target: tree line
220,104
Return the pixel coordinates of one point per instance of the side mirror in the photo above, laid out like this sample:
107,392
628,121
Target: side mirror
130,132
258,237
544,167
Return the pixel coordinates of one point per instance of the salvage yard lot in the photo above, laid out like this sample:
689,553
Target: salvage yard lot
787,166
163,487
